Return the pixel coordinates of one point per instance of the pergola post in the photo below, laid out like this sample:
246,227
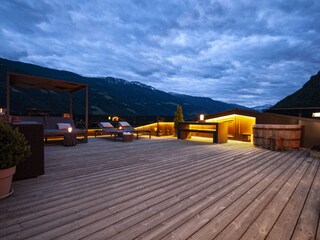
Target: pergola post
87,107
8,94
70,104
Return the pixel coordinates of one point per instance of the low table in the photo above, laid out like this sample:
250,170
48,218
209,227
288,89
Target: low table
70,139
127,137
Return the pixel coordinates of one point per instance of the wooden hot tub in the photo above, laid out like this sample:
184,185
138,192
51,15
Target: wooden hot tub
277,136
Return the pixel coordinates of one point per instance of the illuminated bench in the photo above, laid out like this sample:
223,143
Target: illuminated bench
219,131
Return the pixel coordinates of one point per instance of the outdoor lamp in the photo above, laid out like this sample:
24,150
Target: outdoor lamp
201,117
69,129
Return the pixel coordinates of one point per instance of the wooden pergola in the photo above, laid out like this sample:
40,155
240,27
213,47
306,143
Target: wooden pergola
29,81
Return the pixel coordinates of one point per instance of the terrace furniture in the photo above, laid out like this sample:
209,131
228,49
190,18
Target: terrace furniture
108,128
219,131
29,81
127,136
70,139
56,126
246,137
128,128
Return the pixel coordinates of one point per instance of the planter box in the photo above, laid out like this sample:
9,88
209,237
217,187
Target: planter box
34,165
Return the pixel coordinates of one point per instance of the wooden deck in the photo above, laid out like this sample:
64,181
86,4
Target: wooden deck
166,189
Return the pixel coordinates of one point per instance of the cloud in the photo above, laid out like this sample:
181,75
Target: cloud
246,52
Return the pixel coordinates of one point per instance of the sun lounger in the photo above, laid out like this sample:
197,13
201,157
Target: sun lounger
108,128
127,127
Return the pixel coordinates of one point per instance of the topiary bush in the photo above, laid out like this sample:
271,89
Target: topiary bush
178,116
14,148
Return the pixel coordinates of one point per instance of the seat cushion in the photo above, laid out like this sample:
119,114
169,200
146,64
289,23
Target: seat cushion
124,124
62,126
106,125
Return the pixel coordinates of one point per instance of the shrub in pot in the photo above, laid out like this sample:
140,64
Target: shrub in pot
178,117
14,149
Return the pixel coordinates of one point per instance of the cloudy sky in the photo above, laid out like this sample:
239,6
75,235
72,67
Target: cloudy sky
239,51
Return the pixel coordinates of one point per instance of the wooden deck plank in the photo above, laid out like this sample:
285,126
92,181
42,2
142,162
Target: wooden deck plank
189,211
108,177
152,189
137,200
116,170
239,225
170,209
307,224
64,200
263,224
318,231
103,222
285,225
216,219
39,219
194,217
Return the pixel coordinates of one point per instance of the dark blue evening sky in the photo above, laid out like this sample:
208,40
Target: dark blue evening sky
246,51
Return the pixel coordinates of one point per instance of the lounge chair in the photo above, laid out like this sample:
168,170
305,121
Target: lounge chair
127,127
108,128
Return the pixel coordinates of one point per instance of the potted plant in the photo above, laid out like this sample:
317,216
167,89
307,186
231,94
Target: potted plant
13,149
178,117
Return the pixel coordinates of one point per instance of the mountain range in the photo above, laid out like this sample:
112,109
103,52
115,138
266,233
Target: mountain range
306,97
113,96
107,96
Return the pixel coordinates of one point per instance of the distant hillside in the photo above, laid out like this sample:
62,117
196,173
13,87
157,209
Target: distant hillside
107,96
262,108
202,104
306,97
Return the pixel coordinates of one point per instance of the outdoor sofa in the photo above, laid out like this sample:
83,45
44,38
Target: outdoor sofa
56,126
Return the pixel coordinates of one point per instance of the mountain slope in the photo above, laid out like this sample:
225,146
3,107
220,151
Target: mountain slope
262,108
107,96
203,104
307,96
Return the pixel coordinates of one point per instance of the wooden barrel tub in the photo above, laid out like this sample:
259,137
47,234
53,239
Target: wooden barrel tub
284,136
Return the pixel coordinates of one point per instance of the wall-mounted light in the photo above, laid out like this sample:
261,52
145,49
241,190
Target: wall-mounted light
316,114
201,117
69,129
